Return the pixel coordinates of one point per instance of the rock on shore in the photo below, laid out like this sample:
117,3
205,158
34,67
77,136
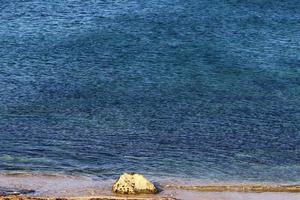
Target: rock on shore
134,184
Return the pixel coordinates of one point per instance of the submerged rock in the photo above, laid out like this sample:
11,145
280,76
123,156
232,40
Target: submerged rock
134,184
13,191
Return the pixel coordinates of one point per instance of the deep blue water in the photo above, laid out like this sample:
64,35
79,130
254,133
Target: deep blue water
203,89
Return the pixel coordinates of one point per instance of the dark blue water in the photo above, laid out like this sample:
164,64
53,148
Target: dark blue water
203,89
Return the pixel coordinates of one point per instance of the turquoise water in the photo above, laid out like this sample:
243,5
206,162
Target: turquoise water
200,89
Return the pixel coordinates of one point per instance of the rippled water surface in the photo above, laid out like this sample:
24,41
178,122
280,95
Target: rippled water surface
201,89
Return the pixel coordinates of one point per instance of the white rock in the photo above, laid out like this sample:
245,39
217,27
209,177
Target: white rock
134,184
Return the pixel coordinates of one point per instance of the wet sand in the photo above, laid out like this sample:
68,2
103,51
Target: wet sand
179,195
102,197
53,186
240,188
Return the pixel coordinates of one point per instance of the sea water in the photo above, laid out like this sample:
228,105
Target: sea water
202,90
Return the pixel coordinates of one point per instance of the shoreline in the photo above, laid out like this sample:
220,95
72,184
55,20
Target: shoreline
101,197
178,194
239,188
67,187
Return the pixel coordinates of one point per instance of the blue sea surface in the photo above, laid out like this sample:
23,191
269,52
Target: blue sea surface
202,89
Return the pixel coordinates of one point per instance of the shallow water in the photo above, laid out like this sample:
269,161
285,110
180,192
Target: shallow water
61,185
205,90
57,185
